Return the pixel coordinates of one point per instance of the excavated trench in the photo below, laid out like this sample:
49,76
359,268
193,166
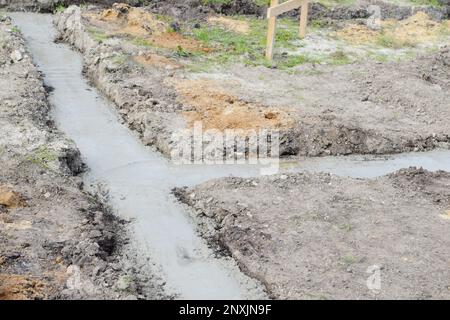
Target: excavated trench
138,180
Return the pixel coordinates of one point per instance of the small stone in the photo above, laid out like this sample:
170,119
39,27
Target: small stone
125,283
95,234
16,56
10,198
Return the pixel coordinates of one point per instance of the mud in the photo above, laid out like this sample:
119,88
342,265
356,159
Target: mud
57,242
320,236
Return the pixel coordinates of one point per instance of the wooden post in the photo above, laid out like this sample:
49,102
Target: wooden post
303,19
275,10
271,32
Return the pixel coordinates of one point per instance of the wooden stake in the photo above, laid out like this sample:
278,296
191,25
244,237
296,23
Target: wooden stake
284,7
271,33
303,19
275,10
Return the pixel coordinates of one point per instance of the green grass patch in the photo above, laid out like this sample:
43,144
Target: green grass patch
432,3
249,48
389,41
42,157
120,59
141,42
338,57
295,60
208,2
15,29
60,7
97,35
334,3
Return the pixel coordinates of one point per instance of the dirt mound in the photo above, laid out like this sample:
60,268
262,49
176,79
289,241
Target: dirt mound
122,19
230,24
174,40
357,34
184,10
19,287
10,199
151,59
434,185
217,109
320,236
381,83
417,29
133,21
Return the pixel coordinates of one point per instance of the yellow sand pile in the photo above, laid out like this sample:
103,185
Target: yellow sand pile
417,29
230,24
217,109
133,21
151,59
123,19
10,198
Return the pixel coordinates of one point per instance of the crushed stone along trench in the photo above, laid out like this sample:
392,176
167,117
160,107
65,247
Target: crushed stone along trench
138,180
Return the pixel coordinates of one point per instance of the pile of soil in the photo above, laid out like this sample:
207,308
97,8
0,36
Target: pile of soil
124,20
319,236
414,30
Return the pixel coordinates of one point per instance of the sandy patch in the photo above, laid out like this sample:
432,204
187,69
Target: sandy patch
151,59
446,215
417,29
19,287
133,21
10,198
122,19
217,109
230,24
173,40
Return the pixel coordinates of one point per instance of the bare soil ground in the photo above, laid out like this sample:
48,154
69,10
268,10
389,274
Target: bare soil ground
55,240
325,106
316,236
